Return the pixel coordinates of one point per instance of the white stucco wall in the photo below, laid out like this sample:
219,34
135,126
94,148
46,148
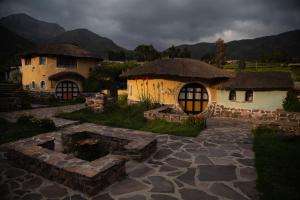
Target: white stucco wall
263,100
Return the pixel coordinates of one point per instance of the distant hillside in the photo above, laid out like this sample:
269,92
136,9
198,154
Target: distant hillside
30,28
285,43
87,40
11,45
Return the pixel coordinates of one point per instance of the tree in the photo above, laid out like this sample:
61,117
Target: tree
220,52
107,77
242,64
185,53
172,52
117,55
146,53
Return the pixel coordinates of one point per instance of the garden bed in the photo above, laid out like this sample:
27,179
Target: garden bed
132,117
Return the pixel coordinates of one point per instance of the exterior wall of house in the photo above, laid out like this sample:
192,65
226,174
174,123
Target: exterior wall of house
262,100
37,73
160,90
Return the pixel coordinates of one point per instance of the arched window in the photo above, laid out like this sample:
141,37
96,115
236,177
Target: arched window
249,96
193,98
232,95
33,85
43,85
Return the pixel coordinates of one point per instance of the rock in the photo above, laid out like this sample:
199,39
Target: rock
167,168
217,173
248,173
225,191
188,177
126,186
248,188
77,197
214,152
162,153
103,197
247,162
182,155
53,191
161,184
32,183
162,197
192,194
135,197
141,171
203,160
14,172
178,163
32,196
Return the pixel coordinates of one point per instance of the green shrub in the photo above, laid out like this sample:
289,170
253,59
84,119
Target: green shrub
25,119
195,121
46,124
80,99
291,102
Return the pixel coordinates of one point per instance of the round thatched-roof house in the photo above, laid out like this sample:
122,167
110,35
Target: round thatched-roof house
192,85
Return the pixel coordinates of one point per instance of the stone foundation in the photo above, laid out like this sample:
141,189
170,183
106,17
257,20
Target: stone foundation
289,122
99,102
47,155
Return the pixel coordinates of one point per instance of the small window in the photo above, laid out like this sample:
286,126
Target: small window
232,95
43,85
249,96
27,61
64,61
33,85
42,60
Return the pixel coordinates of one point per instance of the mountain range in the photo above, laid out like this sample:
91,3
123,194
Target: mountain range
287,43
21,31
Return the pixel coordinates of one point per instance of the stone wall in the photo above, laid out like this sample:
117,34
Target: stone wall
99,102
289,122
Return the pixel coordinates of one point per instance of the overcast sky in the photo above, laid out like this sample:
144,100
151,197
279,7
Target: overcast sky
165,22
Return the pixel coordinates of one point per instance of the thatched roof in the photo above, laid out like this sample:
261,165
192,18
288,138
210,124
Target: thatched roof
177,67
259,81
63,75
60,50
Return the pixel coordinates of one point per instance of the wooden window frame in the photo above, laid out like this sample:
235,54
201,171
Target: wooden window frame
27,61
232,95
249,94
66,62
184,90
42,58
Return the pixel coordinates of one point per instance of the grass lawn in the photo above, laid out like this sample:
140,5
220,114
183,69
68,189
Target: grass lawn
278,163
14,131
132,117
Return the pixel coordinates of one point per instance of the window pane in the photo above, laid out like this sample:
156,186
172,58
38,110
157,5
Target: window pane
198,96
190,89
189,95
198,89
205,96
182,95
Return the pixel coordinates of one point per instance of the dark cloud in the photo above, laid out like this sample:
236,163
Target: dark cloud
165,22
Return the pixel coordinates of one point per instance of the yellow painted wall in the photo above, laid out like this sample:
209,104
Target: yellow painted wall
160,90
264,100
36,72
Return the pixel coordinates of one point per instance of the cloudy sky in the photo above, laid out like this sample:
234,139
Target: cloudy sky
165,22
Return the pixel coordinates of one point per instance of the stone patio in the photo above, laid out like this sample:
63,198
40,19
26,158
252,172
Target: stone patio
218,164
48,112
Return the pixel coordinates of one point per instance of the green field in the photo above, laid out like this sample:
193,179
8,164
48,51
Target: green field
264,67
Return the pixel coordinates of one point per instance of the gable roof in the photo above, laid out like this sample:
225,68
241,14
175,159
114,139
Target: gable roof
177,67
60,50
259,81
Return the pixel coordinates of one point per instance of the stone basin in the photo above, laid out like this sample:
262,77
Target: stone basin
51,155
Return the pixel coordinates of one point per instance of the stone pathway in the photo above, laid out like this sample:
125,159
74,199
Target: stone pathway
218,164
48,112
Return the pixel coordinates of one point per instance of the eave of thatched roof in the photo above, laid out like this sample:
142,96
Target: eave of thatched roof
66,75
177,67
60,50
259,81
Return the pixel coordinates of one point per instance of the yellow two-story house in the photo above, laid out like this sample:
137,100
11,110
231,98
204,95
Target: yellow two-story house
58,69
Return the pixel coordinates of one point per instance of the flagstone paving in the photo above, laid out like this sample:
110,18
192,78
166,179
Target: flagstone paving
218,164
48,112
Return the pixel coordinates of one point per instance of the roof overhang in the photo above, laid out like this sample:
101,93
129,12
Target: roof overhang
66,75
